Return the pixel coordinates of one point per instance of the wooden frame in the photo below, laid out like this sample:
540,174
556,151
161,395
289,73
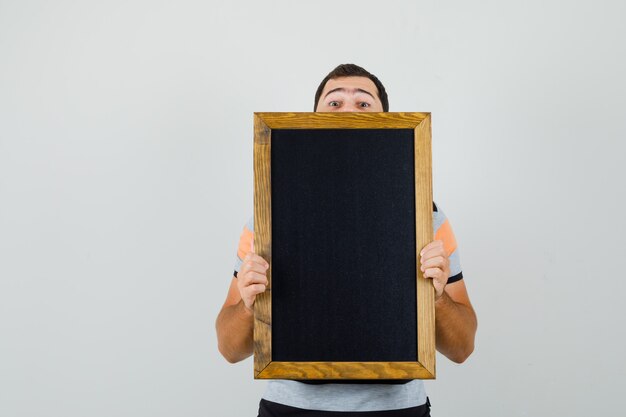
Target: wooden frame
424,365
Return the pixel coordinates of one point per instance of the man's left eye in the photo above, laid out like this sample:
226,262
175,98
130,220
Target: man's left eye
364,104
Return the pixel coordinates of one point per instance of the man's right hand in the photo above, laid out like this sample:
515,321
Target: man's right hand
252,278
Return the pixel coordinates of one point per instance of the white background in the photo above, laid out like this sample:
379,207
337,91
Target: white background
126,178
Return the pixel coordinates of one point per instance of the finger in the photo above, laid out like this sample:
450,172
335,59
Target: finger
439,277
430,246
252,246
250,256
254,290
434,259
257,259
433,249
434,245
429,273
256,266
436,262
425,249
248,281
251,277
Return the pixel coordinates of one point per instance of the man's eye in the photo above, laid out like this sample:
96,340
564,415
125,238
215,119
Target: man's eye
364,104
334,104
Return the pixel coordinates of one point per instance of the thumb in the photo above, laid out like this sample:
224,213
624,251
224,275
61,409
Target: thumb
252,246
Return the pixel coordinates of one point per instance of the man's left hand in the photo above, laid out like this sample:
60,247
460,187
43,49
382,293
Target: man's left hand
435,265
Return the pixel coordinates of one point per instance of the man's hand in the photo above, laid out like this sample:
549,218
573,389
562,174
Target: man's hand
435,265
455,320
252,278
235,323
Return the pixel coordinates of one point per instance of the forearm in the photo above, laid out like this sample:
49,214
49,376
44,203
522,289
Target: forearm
455,328
234,327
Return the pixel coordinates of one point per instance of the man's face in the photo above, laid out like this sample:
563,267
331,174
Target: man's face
350,94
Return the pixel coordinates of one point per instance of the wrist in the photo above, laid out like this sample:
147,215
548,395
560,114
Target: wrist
441,299
246,311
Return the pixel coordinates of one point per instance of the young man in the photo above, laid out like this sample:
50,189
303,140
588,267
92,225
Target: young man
351,88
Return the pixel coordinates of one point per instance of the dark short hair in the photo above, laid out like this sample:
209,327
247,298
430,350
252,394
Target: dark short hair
351,70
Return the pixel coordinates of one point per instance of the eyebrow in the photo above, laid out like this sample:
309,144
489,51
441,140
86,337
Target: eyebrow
357,90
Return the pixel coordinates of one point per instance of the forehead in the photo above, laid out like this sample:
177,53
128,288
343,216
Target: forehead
350,83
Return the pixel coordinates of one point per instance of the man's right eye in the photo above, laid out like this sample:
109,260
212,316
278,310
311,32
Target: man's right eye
333,104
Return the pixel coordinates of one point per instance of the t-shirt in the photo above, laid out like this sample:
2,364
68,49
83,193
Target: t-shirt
355,396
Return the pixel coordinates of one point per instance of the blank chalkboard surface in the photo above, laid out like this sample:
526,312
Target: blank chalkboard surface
343,236
343,204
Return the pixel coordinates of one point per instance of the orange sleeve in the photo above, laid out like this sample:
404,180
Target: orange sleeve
445,234
245,242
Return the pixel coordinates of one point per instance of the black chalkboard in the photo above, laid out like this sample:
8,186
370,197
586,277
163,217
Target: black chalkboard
343,245
343,204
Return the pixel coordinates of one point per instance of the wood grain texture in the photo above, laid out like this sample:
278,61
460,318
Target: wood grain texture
423,236
342,120
346,370
262,243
